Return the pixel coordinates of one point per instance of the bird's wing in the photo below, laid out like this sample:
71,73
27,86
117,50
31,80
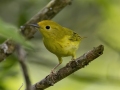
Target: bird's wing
73,36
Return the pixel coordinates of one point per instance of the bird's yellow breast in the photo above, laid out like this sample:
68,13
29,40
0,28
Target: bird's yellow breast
63,47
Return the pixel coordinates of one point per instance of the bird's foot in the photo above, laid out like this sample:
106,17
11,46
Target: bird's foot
51,75
51,78
53,71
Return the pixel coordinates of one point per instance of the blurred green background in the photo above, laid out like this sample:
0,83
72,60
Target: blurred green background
98,20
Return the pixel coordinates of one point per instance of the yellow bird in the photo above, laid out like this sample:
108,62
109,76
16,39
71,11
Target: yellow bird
58,40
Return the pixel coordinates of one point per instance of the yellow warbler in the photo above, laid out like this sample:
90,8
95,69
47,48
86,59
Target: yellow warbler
58,40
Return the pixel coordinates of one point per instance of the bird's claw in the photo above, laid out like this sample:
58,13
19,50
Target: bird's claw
51,75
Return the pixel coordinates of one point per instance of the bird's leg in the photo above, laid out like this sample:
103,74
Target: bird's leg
53,70
73,57
60,61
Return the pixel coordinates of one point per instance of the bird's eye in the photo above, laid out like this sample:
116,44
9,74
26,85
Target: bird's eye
47,27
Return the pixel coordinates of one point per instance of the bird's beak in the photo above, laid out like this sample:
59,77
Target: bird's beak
35,25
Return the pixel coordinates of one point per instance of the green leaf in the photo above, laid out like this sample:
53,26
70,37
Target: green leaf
9,31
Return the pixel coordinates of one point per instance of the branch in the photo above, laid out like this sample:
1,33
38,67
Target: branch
48,12
6,49
70,68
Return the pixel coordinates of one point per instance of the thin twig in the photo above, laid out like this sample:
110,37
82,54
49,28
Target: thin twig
6,49
21,56
70,68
